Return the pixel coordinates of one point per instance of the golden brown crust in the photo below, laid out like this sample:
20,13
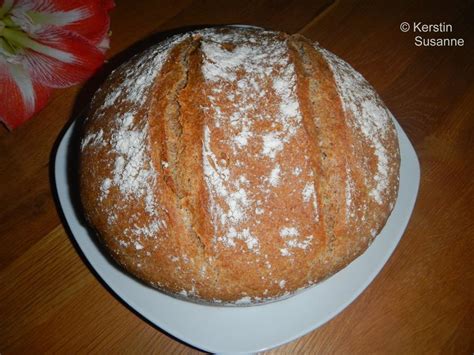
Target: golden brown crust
237,165
334,156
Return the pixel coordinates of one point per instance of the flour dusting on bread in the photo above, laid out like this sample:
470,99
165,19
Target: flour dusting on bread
133,173
369,116
245,62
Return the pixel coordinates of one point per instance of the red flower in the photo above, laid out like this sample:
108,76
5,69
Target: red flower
47,44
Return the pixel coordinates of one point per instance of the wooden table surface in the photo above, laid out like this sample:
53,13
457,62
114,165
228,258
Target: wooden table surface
421,302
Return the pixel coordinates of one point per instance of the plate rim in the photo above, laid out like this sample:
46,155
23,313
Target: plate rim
64,200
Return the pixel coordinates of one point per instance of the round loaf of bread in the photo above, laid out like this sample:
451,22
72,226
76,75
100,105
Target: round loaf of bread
236,165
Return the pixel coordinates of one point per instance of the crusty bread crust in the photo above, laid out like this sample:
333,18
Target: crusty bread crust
237,165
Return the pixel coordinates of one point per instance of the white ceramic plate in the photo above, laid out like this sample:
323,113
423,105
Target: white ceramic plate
242,329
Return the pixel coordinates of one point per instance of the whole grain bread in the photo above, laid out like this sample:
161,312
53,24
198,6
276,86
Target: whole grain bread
237,165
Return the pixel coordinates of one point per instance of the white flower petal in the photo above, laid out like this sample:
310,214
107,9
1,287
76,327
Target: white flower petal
24,83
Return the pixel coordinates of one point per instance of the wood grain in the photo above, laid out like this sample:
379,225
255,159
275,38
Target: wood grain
421,302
